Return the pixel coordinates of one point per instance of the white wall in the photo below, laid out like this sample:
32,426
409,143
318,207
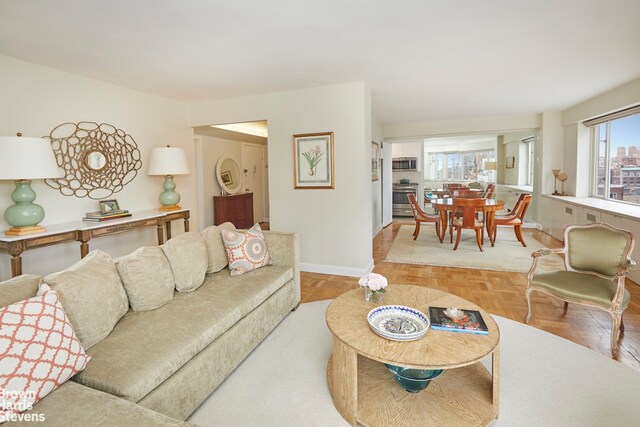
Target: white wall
36,99
335,226
475,125
376,186
213,149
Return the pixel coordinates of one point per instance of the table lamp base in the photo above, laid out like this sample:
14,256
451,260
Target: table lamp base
23,231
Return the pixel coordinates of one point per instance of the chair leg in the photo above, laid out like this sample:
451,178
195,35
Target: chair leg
479,234
417,230
527,294
451,233
438,231
518,230
615,333
621,325
459,231
566,307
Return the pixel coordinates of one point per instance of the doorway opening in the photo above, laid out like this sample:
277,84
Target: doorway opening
245,145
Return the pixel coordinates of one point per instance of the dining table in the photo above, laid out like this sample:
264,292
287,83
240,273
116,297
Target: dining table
445,206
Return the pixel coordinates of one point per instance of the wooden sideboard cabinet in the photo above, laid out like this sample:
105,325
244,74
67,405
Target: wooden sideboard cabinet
234,208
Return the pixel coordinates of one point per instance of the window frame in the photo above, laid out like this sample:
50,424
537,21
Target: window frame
595,127
461,164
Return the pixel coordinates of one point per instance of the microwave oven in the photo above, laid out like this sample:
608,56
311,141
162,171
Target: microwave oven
405,164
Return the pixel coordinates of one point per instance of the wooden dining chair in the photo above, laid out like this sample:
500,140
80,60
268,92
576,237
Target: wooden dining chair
420,216
515,218
464,216
488,192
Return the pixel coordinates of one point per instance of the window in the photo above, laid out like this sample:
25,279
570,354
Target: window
616,156
530,159
459,166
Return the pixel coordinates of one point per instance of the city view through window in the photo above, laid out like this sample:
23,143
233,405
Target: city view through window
617,159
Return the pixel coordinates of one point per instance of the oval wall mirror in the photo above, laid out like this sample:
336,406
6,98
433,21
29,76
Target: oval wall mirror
228,175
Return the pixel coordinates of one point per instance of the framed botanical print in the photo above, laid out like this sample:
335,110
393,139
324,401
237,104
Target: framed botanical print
375,161
510,164
313,161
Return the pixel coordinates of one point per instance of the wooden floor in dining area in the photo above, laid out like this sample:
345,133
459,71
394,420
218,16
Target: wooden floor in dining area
500,293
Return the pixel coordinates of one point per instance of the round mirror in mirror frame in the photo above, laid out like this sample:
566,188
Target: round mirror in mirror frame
95,160
228,175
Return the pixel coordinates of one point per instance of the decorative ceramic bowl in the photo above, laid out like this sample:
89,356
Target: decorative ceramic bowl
413,380
398,322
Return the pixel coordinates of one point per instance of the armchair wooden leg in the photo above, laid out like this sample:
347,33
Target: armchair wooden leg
416,231
528,296
621,325
566,307
438,232
615,333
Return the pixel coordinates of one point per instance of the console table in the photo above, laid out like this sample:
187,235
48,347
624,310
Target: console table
83,232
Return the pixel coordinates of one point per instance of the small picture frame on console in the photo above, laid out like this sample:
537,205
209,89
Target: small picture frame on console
107,206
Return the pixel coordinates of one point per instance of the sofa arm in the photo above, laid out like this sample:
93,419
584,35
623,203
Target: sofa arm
284,250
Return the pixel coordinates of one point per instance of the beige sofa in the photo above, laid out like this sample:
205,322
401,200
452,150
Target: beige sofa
156,366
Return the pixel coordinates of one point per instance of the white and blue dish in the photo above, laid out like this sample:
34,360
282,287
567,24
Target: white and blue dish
398,322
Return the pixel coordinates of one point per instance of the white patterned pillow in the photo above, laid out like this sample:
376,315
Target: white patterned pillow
246,251
39,351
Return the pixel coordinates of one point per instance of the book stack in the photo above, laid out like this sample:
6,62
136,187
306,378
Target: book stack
105,216
467,321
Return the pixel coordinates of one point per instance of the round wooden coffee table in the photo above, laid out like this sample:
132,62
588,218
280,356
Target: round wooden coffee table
365,391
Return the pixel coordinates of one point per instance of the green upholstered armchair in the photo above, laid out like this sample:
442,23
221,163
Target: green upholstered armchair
596,258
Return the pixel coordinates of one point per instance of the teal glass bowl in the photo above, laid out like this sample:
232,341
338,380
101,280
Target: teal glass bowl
413,380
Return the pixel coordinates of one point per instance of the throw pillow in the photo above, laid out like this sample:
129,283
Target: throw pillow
215,247
187,255
147,278
92,296
246,251
19,288
39,351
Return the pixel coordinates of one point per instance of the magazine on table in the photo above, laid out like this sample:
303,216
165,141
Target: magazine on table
457,320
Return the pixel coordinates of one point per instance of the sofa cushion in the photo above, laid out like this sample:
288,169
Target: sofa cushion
19,288
77,405
216,253
246,251
39,351
146,277
147,347
92,296
187,255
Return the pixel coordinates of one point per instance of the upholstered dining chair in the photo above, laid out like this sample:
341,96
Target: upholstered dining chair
515,217
476,185
464,216
596,259
420,216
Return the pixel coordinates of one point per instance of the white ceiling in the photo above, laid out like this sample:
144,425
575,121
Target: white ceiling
423,59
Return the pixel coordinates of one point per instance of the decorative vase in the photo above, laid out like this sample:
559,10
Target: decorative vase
373,296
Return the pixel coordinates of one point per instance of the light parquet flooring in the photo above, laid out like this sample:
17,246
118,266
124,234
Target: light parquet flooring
500,293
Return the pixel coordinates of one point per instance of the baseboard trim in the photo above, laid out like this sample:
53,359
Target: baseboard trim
377,230
336,269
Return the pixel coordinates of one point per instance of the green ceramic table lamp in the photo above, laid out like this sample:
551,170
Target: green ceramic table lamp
168,161
22,160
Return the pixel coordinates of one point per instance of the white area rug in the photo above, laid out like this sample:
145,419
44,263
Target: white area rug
507,255
544,381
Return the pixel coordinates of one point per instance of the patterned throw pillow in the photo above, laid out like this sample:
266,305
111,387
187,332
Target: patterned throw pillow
245,251
39,351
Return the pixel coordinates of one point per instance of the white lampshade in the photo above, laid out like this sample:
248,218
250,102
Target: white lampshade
490,166
168,161
27,158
